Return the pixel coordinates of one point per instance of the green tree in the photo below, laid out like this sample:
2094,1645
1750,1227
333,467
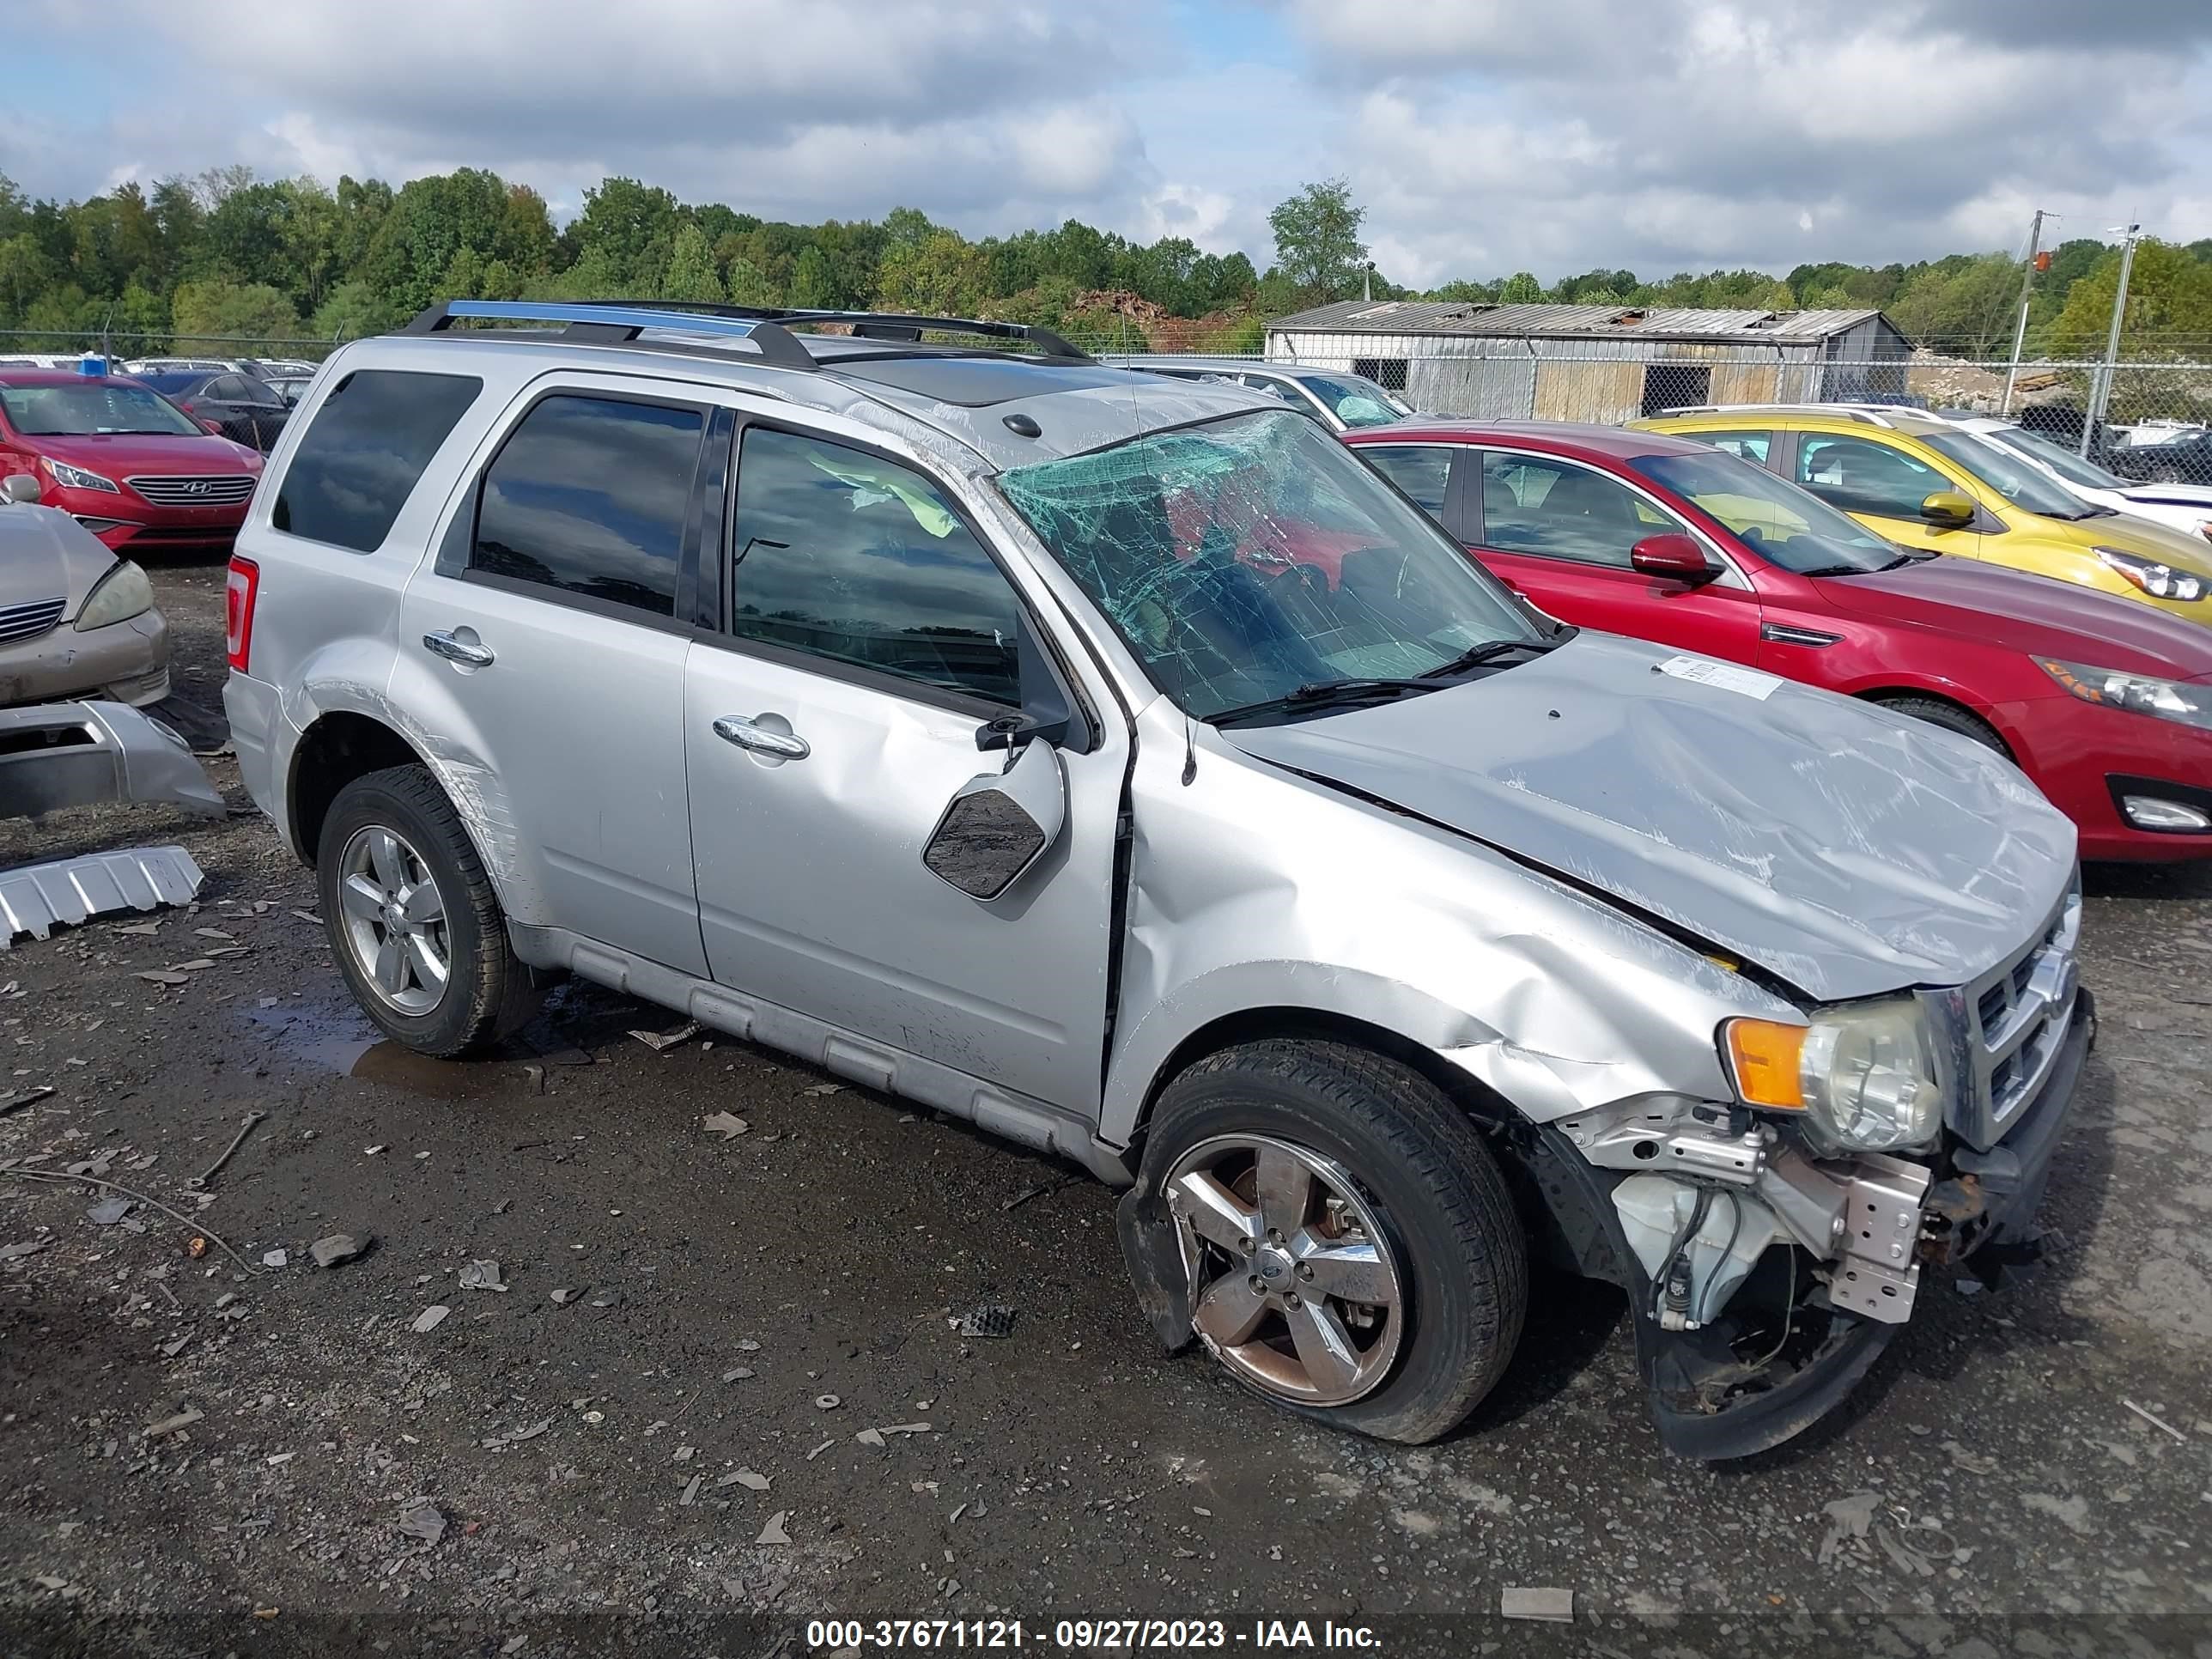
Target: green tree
1964,303
25,273
2169,303
352,309
748,285
1317,242
216,306
813,283
906,227
941,276
691,273
1521,289
632,226
431,219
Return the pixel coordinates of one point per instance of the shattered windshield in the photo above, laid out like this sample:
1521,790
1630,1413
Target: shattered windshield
1254,558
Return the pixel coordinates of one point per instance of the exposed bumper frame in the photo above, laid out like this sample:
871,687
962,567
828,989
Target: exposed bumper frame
59,755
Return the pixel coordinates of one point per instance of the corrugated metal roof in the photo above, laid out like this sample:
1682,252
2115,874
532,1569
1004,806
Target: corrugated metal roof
1608,322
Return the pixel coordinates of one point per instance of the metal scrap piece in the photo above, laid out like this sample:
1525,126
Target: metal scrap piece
70,892
79,753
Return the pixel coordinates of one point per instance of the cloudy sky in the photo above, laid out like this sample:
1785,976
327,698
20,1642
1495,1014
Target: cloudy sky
1483,136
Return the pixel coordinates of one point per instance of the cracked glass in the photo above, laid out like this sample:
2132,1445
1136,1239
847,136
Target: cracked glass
1254,557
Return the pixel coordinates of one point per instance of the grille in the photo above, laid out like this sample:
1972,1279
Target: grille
26,622
180,489
2021,1014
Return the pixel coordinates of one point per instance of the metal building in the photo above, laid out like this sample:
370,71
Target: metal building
1607,363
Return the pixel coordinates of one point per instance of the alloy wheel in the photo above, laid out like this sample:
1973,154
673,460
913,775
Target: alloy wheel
393,920
1299,1291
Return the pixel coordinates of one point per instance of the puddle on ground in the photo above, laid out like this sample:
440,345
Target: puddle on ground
341,1041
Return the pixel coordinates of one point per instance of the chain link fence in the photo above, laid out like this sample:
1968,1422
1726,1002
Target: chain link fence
2156,425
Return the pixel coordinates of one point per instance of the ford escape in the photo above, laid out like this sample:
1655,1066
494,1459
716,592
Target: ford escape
966,718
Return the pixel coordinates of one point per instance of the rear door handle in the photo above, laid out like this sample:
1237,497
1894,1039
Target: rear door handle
466,652
784,745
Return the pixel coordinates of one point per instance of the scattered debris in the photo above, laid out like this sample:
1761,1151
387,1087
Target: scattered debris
108,1212
430,1318
2156,1421
213,933
870,1437
422,1520
1037,1191
229,1152
958,1511
745,1478
171,1350
339,1248
24,1097
826,1402
29,1247
183,1419
196,1247
819,1450
482,1276
691,1491
661,1042
308,915
275,1259
906,1428
736,1373
1971,1462
1849,1518
145,929
823,1089
563,1297
773,1533
985,1319
163,976
1553,1606
536,1077
728,1124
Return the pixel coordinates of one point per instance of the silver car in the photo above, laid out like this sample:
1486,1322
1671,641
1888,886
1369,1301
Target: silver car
1340,400
75,620
1117,762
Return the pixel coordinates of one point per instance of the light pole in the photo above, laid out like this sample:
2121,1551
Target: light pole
2020,332
2101,389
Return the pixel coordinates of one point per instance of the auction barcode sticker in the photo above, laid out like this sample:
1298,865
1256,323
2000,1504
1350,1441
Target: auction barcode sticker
1748,682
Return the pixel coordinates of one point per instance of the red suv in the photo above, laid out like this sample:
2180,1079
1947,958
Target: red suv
2105,704
123,461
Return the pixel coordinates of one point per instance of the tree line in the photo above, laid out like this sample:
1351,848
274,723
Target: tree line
227,252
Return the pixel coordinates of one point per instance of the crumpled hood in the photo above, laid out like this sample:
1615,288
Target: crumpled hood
1847,851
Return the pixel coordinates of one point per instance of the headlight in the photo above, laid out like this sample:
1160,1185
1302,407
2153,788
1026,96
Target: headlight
76,477
2168,700
2160,582
1863,1076
122,593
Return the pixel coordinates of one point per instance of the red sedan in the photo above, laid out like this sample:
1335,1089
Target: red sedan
123,461
2105,704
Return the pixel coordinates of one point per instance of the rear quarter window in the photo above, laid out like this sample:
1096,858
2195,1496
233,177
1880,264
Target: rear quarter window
365,452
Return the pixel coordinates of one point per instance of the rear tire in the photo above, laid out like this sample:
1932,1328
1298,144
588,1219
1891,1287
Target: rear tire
1950,718
413,918
1376,1183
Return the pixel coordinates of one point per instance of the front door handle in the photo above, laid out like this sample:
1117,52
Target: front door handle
784,745
466,652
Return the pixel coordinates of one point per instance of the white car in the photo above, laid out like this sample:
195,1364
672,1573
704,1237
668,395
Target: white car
2184,506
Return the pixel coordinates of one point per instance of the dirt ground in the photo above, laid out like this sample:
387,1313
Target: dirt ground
655,1437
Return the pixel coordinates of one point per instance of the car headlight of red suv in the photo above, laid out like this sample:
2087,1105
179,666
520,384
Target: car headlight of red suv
2165,700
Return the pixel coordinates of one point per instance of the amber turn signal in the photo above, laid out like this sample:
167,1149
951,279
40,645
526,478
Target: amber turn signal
1763,1058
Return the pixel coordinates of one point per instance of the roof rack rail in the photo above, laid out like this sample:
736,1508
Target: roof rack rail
610,321
770,328
1864,414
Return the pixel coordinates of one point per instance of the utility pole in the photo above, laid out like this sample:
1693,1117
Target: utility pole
2020,332
2102,396
1367,283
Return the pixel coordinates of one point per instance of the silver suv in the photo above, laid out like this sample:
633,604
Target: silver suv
1117,762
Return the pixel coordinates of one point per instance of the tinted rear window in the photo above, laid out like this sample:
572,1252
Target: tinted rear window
366,451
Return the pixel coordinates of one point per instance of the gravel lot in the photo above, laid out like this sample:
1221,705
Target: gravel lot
652,1438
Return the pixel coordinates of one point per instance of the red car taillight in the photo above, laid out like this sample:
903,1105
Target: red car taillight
237,597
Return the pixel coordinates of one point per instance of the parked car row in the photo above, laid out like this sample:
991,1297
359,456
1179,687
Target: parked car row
1114,760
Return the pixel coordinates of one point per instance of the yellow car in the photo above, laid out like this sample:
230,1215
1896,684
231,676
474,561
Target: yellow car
1923,482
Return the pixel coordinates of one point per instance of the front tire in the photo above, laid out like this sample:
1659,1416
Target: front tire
413,917
1354,1252
1950,718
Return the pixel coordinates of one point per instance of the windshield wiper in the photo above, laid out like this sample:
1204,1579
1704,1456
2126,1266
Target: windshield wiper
1489,650
1323,694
